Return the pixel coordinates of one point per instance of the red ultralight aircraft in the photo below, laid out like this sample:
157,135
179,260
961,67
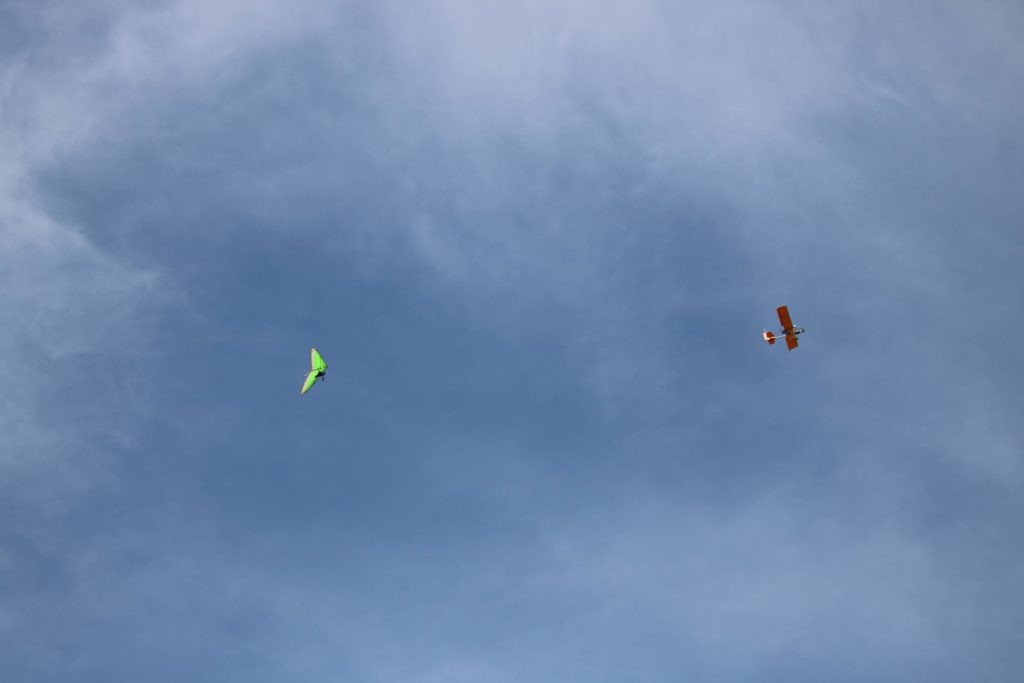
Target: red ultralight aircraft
788,331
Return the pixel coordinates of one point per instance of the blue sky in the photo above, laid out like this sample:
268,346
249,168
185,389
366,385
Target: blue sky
537,243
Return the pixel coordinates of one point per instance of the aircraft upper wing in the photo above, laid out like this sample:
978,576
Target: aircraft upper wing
787,322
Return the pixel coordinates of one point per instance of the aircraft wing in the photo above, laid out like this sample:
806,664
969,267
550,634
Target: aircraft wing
310,381
787,322
791,341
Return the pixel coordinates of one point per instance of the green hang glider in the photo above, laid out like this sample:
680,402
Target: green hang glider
317,370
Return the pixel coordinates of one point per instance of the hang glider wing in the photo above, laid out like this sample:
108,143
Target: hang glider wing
310,381
787,322
317,369
316,361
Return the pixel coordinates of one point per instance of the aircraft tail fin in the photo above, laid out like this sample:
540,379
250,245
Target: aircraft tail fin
769,337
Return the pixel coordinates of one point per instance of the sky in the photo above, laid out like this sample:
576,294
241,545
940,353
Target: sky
537,243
